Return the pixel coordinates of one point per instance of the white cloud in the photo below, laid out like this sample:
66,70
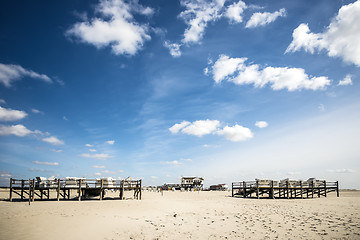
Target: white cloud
340,39
261,19
235,70
65,118
321,107
92,150
2,101
344,170
226,66
53,140
89,145
197,15
235,10
36,111
5,174
201,127
98,166
46,163
9,73
346,81
7,114
115,26
99,156
174,48
111,142
236,133
154,177
177,127
261,124
56,150
17,130
175,162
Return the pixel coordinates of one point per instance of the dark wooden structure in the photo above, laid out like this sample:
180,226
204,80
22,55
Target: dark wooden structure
85,188
286,189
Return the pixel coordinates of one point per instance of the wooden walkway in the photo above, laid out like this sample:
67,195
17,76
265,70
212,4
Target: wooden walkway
85,188
284,190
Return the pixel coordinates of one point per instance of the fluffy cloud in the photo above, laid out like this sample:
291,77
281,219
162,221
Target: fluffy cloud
261,124
174,48
9,73
234,11
235,70
2,101
115,26
53,140
99,156
89,145
111,142
17,130
177,127
46,163
98,166
236,133
204,127
11,115
92,150
197,15
346,81
340,39
201,127
261,19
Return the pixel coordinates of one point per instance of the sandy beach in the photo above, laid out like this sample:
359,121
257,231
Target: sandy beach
184,215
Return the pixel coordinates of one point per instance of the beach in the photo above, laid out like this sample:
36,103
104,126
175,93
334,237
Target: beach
183,215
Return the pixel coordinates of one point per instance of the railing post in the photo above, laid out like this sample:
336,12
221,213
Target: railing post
257,189
11,189
301,189
325,188
140,188
33,190
58,190
337,188
29,191
22,189
287,189
244,189
272,189
101,188
79,198
232,189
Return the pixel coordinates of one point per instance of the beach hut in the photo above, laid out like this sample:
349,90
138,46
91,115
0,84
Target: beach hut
192,182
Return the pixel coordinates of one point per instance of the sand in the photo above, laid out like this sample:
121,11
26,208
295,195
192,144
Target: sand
184,215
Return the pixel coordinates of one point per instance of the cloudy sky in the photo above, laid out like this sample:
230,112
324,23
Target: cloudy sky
158,89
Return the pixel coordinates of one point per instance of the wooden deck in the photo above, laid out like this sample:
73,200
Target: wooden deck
285,190
85,188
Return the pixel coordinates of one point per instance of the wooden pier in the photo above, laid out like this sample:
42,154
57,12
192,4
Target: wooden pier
85,188
286,189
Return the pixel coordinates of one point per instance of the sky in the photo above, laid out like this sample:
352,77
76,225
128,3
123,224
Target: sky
158,89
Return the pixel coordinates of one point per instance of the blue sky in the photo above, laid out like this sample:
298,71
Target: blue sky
226,90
